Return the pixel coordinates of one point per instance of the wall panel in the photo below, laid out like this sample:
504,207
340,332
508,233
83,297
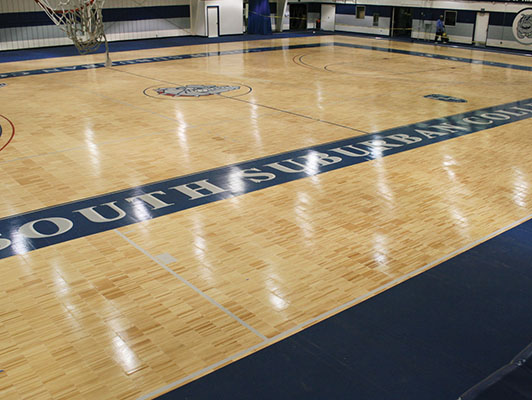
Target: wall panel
24,25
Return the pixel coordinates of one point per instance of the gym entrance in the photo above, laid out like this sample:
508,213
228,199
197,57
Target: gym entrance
402,22
298,17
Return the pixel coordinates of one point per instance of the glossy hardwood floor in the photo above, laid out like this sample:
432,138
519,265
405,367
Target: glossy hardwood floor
134,311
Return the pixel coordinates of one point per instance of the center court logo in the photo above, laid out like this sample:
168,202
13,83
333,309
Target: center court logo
197,91
7,131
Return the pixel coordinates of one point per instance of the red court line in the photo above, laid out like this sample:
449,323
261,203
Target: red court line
12,133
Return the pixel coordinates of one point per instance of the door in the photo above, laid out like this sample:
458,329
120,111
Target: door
212,21
298,17
481,28
402,22
328,13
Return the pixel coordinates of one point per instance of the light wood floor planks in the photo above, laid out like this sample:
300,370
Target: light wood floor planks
123,313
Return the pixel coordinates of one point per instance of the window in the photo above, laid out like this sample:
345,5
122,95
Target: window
375,19
450,18
361,12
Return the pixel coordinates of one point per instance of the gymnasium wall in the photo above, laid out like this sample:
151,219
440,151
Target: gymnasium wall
347,19
500,31
280,17
424,24
230,16
313,14
24,25
275,19
425,14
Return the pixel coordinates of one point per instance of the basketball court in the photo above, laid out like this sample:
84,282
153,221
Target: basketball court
189,206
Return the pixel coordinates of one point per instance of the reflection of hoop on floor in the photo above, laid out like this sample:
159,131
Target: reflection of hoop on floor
81,20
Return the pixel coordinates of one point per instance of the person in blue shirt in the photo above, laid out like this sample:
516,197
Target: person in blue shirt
440,29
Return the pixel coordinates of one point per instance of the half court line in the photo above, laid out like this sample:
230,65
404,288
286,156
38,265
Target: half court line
190,285
258,105
331,312
296,114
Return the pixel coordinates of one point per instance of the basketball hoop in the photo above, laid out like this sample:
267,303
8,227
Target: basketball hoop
81,20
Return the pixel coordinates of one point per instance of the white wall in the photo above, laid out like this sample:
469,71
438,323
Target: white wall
230,14
350,23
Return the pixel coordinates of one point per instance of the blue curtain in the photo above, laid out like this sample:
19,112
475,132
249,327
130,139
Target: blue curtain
259,21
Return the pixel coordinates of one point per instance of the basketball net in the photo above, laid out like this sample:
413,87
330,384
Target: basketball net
81,20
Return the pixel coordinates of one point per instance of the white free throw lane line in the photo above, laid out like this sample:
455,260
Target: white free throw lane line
328,314
190,285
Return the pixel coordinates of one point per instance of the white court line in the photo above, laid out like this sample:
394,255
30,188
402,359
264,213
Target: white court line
327,314
190,285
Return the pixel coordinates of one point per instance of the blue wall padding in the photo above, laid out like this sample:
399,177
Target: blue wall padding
351,9
259,21
138,13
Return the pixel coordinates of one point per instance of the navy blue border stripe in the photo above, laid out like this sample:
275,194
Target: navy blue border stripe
159,59
350,9
432,14
259,50
177,41
24,19
436,56
431,337
39,18
383,11
142,13
346,9
26,232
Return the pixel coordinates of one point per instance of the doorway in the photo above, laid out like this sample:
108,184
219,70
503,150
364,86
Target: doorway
298,17
213,26
328,13
402,22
